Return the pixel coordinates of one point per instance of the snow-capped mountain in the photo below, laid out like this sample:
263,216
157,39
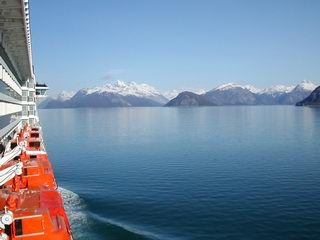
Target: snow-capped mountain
247,94
236,94
286,94
232,94
305,85
56,100
171,94
229,86
118,94
128,89
298,93
64,96
125,88
130,94
278,89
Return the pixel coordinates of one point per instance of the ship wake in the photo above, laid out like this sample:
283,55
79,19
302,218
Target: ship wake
76,211
88,225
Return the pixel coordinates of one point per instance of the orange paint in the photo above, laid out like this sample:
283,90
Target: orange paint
32,197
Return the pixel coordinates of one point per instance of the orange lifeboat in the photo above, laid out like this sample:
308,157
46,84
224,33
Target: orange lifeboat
32,206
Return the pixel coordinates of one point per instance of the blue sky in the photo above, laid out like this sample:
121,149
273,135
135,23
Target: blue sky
175,44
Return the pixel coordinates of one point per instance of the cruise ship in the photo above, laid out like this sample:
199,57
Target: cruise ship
31,208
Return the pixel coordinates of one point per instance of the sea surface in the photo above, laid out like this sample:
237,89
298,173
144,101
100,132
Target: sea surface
188,173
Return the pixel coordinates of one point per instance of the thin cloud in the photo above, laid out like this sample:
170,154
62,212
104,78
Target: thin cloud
113,74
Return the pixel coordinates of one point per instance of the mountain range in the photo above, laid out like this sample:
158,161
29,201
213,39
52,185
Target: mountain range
235,94
131,94
118,94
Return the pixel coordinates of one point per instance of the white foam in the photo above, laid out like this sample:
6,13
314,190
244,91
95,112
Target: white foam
75,209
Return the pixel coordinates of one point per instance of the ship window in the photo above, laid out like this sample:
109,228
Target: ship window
13,145
34,144
18,227
34,135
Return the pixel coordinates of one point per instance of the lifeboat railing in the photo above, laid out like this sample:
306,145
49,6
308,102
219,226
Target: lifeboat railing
9,173
11,155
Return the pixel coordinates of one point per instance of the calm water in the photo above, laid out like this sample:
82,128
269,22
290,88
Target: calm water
188,173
